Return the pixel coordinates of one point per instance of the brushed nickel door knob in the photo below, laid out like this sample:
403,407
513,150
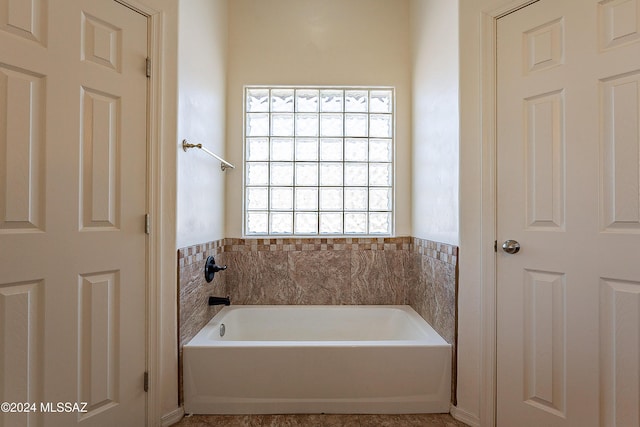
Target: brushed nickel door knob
511,246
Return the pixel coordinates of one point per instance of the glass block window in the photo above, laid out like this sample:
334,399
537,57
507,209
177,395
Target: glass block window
318,161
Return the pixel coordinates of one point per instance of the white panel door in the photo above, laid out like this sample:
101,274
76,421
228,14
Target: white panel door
568,166
73,195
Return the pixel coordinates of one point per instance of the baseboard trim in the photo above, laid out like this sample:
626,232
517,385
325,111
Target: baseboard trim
172,417
465,417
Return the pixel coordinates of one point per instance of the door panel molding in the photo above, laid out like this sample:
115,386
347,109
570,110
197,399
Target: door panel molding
98,341
619,349
101,43
545,341
22,198
545,147
100,171
620,177
618,23
22,332
25,19
544,47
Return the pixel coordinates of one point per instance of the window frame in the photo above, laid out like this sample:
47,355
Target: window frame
318,211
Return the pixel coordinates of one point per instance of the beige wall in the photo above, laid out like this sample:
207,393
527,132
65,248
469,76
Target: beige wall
202,65
194,40
435,121
310,42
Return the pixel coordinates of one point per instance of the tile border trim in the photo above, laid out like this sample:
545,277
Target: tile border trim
440,251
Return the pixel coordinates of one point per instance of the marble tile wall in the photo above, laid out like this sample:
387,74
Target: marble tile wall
342,273
193,293
193,290
397,270
431,281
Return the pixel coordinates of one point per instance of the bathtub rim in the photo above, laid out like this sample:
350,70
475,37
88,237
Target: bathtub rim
202,340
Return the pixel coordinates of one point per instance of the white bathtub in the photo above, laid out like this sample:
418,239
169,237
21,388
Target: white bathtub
317,359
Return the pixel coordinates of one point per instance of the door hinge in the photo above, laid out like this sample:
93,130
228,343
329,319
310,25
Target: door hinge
147,224
146,381
148,67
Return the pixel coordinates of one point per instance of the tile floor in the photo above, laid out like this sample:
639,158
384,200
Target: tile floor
320,420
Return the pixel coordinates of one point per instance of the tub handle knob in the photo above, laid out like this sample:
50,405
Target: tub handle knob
211,268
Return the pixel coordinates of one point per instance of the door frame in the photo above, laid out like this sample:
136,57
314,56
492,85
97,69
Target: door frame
489,225
156,187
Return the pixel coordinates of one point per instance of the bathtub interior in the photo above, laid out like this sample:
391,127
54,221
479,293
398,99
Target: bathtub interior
316,323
